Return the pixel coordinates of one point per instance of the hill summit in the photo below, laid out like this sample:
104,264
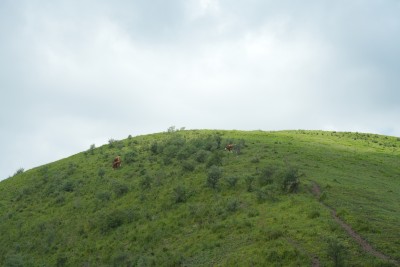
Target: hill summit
179,198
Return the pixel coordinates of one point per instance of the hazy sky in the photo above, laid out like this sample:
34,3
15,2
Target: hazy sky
79,72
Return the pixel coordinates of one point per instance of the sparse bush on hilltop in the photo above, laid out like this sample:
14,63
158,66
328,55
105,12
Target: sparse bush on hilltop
19,171
111,143
171,129
92,148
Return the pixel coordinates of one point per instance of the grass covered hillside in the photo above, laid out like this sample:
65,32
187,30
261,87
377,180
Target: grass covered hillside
290,198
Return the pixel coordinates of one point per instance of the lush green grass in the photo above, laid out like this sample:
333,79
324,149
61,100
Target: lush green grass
180,199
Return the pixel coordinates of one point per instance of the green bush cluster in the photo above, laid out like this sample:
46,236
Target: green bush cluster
213,177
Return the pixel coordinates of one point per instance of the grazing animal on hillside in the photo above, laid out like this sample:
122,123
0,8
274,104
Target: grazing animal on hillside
229,147
117,162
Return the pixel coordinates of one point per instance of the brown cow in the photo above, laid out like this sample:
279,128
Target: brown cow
229,147
117,162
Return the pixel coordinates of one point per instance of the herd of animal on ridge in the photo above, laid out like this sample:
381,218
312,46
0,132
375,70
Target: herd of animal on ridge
117,161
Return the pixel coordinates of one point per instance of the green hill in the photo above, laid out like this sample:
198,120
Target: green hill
289,198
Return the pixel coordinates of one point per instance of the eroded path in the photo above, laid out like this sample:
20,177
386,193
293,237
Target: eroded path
316,190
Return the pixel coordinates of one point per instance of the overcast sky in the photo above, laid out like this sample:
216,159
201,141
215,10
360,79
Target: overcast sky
79,72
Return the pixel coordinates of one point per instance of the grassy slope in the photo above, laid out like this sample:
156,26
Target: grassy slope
69,213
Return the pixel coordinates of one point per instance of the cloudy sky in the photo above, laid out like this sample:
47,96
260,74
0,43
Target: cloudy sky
79,72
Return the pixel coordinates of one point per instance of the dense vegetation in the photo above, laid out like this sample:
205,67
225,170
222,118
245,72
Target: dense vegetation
180,199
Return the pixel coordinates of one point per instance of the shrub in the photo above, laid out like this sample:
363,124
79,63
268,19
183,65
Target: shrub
215,159
291,181
214,175
249,183
61,260
232,205
188,166
91,149
15,260
71,168
19,171
122,259
59,200
253,213
167,160
255,159
145,182
171,129
68,186
322,197
159,177
274,234
154,148
185,152
314,214
180,194
201,156
111,143
218,140
171,150
336,252
200,212
130,157
111,220
266,176
101,172
120,189
104,196
261,195
274,256
232,181
207,143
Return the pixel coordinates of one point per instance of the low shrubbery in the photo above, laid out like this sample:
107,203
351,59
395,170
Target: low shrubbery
213,177
180,194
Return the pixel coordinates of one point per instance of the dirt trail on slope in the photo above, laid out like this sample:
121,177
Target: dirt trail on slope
316,190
